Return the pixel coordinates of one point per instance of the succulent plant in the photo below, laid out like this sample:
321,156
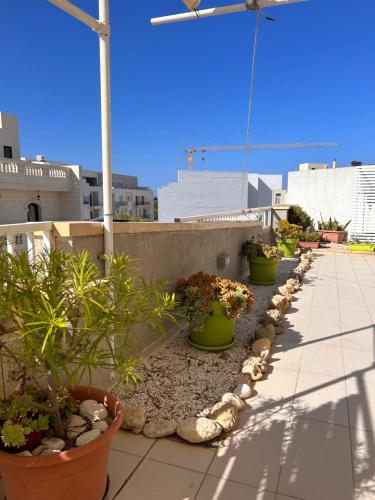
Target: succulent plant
197,293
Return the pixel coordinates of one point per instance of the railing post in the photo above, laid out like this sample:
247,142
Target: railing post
30,247
11,247
48,241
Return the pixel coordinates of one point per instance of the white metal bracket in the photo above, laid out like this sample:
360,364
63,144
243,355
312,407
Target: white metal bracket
102,29
252,5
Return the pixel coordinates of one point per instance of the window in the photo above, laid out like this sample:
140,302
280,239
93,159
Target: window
8,153
277,198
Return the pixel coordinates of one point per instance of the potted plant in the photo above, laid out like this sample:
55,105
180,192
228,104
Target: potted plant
263,260
297,216
364,246
332,231
211,306
309,240
59,322
287,237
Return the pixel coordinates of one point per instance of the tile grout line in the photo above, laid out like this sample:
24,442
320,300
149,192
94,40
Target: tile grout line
143,459
206,474
285,443
346,380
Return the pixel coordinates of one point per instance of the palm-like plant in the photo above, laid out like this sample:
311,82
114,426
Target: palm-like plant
60,320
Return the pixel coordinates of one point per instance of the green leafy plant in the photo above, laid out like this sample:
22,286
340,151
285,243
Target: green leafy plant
285,230
310,237
18,419
60,320
297,216
197,293
251,248
332,225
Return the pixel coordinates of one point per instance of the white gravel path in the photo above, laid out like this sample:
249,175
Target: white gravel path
180,381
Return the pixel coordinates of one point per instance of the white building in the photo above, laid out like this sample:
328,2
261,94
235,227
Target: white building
128,198
347,194
37,189
203,192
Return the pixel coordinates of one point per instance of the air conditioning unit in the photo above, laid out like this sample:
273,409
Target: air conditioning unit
40,158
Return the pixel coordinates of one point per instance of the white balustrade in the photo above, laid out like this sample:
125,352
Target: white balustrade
262,214
18,237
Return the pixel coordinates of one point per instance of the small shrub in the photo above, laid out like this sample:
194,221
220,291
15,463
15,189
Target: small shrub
299,217
310,237
332,225
285,230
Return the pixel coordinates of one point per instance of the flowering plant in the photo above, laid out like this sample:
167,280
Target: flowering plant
285,230
252,249
197,293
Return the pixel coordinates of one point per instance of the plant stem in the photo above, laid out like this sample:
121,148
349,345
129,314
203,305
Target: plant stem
53,398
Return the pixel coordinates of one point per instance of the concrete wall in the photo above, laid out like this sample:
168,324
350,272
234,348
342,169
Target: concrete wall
9,134
203,192
167,251
329,192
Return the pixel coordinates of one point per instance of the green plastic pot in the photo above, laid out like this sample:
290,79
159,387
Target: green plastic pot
218,333
287,246
263,270
362,247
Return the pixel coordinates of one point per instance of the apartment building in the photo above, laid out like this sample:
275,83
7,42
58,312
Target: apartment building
39,189
344,193
206,192
128,198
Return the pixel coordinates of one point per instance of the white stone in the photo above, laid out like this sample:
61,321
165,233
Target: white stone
53,443
101,425
266,332
49,451
134,419
225,414
76,426
155,430
198,429
243,391
87,437
92,410
272,316
25,453
39,450
233,399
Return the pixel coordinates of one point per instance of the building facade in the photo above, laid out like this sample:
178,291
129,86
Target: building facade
345,193
205,192
38,189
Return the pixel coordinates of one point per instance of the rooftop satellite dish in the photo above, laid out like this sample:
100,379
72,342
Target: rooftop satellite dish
192,4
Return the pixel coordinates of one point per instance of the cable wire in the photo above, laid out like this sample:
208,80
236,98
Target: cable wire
250,106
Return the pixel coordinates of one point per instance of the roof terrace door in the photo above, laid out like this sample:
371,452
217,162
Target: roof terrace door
33,212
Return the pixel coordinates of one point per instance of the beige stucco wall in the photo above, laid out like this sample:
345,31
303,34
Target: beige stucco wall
167,251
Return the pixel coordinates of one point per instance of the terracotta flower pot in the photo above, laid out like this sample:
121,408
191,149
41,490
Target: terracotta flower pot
76,474
333,236
308,244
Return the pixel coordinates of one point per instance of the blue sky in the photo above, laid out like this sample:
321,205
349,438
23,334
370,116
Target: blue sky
186,84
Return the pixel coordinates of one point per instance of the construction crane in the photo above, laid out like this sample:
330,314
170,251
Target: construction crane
254,147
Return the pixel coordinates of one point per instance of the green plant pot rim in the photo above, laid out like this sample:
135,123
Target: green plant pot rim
262,282
208,348
260,260
286,240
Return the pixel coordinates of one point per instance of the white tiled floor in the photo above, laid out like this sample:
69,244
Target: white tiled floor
309,431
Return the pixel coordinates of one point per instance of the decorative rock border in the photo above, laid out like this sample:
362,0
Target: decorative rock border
224,415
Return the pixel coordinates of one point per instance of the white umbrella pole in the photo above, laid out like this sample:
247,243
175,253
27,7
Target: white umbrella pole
105,93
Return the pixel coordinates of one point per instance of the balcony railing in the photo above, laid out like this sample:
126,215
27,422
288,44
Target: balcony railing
24,237
13,172
261,214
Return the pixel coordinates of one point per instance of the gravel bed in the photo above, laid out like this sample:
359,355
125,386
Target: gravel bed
180,381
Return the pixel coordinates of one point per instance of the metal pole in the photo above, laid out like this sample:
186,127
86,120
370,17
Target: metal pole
105,94
217,11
